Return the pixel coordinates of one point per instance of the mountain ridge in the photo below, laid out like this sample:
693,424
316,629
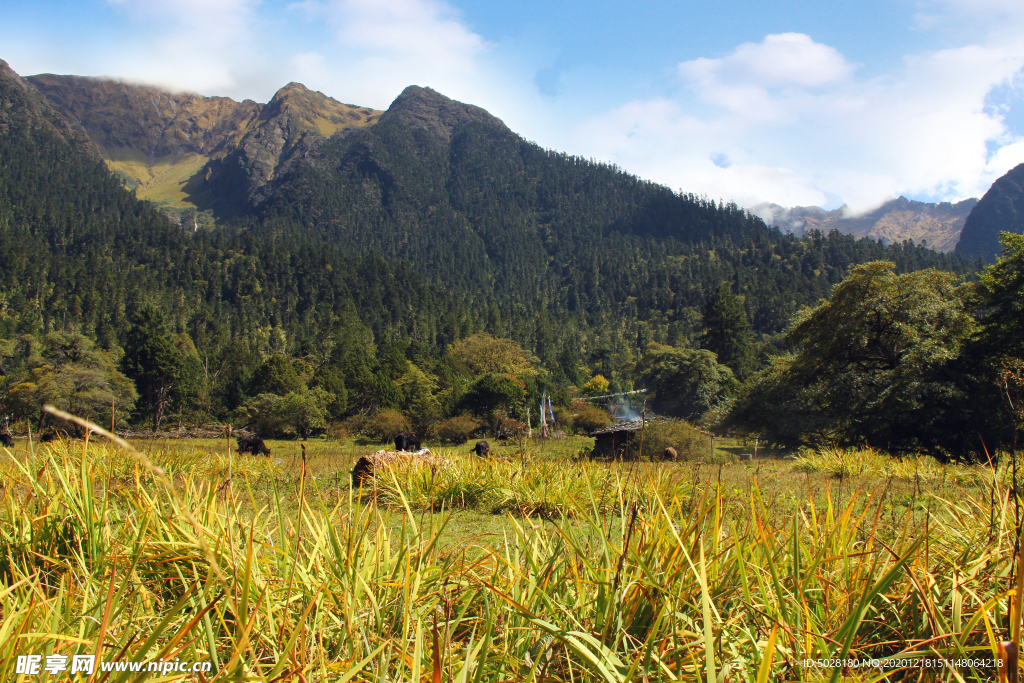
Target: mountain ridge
936,224
161,143
1000,210
41,112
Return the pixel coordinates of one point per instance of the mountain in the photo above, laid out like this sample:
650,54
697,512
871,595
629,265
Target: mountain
79,252
937,225
428,222
474,206
159,143
1000,210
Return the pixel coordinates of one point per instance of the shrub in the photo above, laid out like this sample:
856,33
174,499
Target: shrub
356,424
387,425
299,413
597,386
511,428
689,442
336,432
590,418
457,429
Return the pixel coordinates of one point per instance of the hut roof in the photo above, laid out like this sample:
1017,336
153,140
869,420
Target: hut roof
631,426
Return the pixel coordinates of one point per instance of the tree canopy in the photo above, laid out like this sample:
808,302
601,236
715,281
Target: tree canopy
873,363
685,383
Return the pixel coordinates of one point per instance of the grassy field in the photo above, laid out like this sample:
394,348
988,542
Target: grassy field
535,568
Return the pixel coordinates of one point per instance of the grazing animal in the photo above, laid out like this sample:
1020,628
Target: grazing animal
252,444
6,440
482,449
48,437
407,441
670,454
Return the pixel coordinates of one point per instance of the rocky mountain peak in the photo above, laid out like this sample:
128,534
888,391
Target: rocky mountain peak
427,108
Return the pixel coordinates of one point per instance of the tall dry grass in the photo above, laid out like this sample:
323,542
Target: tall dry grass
641,573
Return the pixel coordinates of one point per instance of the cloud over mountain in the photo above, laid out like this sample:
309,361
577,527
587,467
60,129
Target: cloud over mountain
800,125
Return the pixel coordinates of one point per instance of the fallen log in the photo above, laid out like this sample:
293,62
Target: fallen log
368,466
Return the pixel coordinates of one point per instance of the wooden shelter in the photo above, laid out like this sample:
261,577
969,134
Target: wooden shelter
616,441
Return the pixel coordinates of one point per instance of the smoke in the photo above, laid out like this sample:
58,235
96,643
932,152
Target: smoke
625,408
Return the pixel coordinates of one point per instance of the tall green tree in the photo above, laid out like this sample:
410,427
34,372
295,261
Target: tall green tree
69,372
1001,294
154,363
684,383
494,391
276,375
727,331
876,362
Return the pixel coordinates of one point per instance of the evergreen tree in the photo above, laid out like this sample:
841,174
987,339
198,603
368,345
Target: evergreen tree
1002,298
154,363
276,375
727,331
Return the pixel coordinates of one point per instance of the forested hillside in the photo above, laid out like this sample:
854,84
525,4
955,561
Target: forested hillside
80,255
470,204
354,276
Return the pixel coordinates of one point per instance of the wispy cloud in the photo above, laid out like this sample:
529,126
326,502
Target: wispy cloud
212,46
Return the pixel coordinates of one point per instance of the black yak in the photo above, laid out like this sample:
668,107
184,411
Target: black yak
407,441
6,440
252,444
482,449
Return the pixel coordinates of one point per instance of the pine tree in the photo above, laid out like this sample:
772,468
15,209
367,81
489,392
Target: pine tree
727,331
153,361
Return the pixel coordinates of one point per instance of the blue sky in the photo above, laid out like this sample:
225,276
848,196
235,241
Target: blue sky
793,102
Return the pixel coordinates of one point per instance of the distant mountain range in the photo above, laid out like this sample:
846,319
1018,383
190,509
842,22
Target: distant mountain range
937,225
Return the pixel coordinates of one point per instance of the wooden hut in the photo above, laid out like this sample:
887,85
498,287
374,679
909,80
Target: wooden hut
616,442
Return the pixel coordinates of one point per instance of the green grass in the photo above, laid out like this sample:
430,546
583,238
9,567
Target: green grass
533,569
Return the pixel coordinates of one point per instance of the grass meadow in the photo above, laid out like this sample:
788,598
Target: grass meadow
538,567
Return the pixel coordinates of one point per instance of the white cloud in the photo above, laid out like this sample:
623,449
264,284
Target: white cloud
779,60
210,46
422,30
387,45
799,126
742,82
359,51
